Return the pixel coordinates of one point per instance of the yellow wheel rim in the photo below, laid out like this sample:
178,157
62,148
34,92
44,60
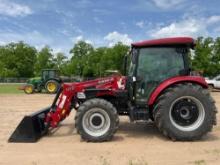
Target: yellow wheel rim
28,89
51,87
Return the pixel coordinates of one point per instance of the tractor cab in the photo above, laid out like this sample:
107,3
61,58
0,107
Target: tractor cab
153,62
49,74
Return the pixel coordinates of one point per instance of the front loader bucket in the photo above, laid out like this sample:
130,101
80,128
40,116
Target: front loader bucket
31,128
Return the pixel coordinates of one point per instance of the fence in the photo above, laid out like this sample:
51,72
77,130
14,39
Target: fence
13,80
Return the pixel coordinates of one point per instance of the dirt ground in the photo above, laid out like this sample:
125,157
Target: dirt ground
133,144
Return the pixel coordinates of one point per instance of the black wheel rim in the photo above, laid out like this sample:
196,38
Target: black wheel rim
187,113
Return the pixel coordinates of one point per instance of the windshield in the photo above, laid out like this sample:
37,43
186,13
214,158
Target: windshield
160,63
154,59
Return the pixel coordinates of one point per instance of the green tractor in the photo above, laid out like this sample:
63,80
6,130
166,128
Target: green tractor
49,80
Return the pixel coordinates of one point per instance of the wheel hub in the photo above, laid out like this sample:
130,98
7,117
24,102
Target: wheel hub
96,122
187,113
51,87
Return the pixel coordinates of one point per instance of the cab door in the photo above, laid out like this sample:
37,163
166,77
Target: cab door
155,64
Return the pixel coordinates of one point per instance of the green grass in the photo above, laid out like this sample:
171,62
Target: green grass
10,88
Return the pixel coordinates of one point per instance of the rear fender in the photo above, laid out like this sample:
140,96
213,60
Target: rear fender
175,80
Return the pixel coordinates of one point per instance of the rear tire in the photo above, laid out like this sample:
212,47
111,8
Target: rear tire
52,86
185,112
96,120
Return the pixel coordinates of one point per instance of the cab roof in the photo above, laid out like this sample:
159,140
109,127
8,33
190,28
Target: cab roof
165,42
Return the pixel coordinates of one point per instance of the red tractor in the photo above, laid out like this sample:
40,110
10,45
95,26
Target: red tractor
158,86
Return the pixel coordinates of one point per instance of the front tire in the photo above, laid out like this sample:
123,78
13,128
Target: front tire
96,120
29,89
185,112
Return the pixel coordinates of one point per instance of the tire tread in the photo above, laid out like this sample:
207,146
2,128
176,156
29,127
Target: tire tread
159,118
86,106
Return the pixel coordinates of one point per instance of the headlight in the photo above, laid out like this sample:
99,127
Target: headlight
81,95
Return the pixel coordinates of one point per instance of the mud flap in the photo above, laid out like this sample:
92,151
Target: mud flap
31,128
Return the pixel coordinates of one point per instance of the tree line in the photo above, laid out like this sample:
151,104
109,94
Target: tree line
22,60
207,56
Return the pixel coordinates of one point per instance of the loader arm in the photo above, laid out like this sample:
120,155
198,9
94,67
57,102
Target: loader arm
71,95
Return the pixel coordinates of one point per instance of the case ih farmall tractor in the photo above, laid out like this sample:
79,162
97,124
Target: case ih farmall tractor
158,86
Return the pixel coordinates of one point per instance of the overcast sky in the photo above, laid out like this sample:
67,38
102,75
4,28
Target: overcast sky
61,23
